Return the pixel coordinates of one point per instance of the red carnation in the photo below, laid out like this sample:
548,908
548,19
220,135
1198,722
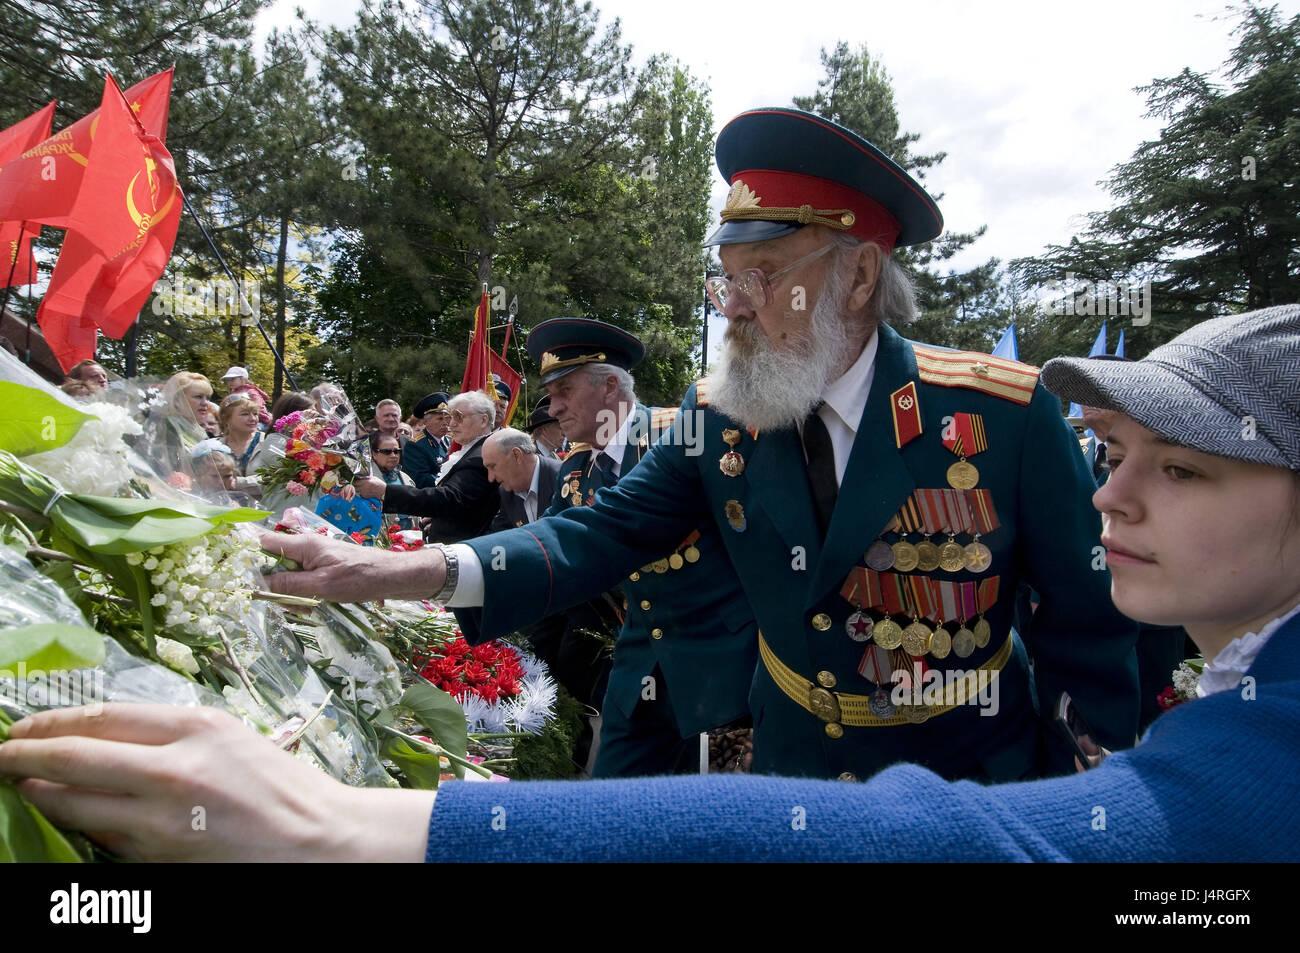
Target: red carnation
475,674
459,647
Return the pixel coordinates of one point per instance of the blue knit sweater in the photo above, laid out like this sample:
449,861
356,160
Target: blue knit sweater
1216,779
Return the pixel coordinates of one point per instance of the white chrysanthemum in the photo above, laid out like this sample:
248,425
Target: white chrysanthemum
531,664
476,710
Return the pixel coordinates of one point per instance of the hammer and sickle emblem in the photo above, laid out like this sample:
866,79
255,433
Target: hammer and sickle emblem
144,220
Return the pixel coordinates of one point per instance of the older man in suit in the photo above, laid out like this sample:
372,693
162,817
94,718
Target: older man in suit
463,501
527,479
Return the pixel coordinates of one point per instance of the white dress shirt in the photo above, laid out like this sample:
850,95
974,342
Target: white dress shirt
844,402
529,496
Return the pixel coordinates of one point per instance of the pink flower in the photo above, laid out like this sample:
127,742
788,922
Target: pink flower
296,488
288,420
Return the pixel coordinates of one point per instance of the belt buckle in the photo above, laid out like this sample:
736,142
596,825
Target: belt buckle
823,704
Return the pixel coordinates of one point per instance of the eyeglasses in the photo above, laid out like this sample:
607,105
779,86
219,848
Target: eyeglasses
752,288
458,416
382,450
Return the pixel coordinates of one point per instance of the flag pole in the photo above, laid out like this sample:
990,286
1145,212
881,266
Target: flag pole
238,290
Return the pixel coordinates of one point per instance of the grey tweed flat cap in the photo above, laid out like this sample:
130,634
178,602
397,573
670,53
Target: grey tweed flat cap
1228,386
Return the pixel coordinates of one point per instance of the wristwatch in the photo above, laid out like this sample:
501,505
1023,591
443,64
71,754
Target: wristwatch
453,575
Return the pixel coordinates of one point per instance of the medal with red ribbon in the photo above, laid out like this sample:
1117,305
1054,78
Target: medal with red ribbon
965,437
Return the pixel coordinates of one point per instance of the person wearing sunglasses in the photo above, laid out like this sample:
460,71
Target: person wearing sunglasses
386,464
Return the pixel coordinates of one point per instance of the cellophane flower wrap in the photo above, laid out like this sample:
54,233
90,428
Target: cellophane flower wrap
155,595
322,451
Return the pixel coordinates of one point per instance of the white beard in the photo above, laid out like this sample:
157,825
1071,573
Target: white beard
769,387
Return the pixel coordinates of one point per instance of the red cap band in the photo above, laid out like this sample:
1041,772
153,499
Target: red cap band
775,189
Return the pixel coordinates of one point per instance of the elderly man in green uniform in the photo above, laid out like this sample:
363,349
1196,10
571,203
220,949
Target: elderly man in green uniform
686,654
880,500
426,452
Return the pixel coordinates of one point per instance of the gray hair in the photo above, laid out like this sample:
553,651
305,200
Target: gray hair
476,402
894,297
388,402
508,438
596,374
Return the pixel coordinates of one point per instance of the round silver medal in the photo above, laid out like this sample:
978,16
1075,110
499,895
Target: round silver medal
880,704
859,626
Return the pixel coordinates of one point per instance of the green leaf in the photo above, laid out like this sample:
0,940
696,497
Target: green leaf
420,767
116,526
50,647
440,714
26,836
32,421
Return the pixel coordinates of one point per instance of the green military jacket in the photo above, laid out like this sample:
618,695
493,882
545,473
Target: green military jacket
813,691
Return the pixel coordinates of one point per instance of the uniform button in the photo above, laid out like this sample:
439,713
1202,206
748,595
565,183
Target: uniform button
645,604
656,633
821,622
624,605
834,730
848,776
825,679
635,576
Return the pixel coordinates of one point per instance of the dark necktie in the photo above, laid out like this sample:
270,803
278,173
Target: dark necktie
605,464
821,467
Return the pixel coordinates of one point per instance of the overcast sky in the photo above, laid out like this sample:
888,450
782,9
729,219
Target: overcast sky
1033,102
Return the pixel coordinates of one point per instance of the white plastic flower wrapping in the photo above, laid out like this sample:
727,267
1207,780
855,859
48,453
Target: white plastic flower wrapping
95,459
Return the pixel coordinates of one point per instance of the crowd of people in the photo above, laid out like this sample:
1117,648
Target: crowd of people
889,562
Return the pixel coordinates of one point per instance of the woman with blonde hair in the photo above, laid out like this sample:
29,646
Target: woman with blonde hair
174,429
1201,520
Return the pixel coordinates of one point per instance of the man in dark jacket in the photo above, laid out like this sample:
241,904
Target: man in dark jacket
463,501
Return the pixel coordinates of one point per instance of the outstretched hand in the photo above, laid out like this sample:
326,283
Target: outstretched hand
345,572
157,782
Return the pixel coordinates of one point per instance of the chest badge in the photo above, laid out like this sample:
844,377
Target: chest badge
731,463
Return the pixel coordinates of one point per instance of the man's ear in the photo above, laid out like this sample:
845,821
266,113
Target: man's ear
868,259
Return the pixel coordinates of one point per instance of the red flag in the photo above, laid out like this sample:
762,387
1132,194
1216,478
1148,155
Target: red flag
42,184
511,378
129,181
121,233
478,365
16,237
17,265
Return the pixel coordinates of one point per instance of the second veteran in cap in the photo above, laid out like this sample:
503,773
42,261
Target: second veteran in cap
881,500
425,453
685,656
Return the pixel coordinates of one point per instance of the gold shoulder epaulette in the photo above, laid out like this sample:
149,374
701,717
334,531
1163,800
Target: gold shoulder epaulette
984,372
702,392
578,448
420,436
